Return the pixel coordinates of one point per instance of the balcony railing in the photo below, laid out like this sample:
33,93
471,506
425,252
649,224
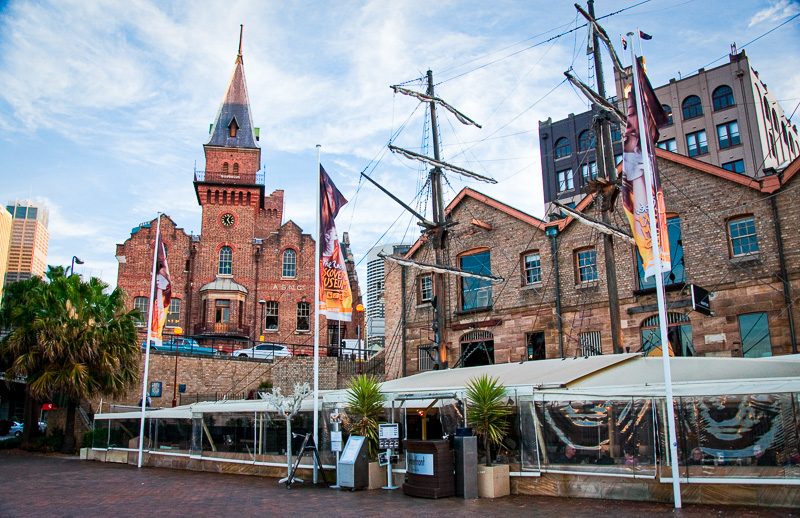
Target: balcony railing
200,176
222,329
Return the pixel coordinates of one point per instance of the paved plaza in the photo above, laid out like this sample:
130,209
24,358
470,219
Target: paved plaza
56,486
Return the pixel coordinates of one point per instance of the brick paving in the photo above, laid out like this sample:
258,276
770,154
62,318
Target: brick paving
32,485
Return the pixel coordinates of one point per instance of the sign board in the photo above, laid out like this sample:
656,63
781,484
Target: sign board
336,441
383,458
700,300
351,450
389,431
419,463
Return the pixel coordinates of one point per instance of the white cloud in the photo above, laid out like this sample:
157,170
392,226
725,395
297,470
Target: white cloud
775,12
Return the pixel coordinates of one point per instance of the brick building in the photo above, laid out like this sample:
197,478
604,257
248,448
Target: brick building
250,273
733,235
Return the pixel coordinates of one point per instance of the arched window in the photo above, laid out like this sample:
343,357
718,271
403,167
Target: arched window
586,140
563,148
692,107
289,263
225,260
679,335
668,111
722,97
766,108
775,119
225,168
477,348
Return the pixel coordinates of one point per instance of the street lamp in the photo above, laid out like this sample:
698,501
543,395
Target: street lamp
359,309
178,331
262,303
72,266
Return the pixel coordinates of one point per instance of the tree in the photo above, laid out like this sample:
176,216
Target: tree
365,405
79,341
487,411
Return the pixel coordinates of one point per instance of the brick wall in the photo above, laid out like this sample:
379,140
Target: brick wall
301,369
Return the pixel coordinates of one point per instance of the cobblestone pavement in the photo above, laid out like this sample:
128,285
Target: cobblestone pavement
54,486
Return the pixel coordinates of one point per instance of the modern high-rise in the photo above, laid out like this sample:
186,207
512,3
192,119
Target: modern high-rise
5,239
725,116
27,250
375,298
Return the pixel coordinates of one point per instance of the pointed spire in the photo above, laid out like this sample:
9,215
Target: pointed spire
233,126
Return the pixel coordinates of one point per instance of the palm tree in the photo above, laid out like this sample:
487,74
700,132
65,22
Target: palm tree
487,411
365,403
85,344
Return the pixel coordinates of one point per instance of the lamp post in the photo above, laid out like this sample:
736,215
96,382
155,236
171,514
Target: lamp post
262,303
359,311
72,265
178,331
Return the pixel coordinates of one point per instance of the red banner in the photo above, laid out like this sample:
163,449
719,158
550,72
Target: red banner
335,297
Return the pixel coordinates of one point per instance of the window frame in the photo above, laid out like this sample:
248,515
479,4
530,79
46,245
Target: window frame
562,148
470,287
743,221
732,165
693,110
526,270
303,314
567,180
731,138
586,140
668,110
289,264
670,142
144,302
701,149
678,266
743,337
589,171
225,265
590,343
271,311
585,273
717,98
425,285
174,313
222,311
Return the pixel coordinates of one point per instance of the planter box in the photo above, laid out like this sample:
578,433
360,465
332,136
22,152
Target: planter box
84,453
377,476
493,481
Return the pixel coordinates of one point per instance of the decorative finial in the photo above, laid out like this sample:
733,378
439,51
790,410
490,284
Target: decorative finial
241,30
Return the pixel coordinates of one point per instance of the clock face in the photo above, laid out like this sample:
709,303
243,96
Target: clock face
228,219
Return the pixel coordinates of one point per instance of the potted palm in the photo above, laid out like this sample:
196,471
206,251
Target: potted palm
365,406
487,413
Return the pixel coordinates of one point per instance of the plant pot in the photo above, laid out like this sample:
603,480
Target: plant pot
493,481
377,476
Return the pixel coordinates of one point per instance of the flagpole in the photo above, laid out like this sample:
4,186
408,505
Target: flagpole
147,346
644,141
316,313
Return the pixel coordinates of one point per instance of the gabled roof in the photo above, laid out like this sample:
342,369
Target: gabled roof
235,107
466,192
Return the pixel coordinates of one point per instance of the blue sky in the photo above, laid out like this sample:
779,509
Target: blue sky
105,105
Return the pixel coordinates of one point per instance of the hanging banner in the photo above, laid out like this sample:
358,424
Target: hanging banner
638,147
163,295
335,297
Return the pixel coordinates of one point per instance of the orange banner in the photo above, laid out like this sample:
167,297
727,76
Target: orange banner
335,297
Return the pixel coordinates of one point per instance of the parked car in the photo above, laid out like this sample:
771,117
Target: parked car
182,345
16,429
264,351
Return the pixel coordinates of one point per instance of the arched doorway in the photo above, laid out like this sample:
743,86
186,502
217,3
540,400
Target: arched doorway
679,335
477,348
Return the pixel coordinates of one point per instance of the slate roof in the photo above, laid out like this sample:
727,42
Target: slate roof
235,105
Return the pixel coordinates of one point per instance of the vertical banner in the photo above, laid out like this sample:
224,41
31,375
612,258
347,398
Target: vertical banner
638,147
163,295
335,297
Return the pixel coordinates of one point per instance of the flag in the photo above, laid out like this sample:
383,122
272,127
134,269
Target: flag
638,147
335,297
624,43
645,36
163,294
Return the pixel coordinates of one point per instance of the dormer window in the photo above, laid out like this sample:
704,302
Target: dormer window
233,126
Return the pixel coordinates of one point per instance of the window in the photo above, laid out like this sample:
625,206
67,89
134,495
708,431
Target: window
140,303
303,314
590,344
225,260
677,273
426,288
565,180
563,148
669,145
692,107
174,313
766,107
426,357
533,268
586,140
289,263
754,332
697,143
271,315
586,263
222,311
722,97
235,168
728,134
679,335
476,293
742,234
589,171
737,166
535,343
225,168
668,111
615,133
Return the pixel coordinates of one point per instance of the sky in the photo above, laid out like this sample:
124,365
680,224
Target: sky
105,105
